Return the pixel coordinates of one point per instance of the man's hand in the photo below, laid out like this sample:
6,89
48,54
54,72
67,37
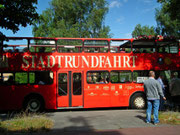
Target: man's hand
164,98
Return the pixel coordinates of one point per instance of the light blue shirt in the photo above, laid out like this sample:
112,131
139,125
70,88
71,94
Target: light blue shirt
161,83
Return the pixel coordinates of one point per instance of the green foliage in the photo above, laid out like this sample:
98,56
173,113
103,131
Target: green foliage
143,30
169,118
21,78
172,8
26,123
1,6
17,12
32,77
168,18
73,18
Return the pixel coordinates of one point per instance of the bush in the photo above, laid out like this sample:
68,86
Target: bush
27,123
169,117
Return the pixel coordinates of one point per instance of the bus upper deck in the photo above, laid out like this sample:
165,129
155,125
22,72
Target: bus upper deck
89,45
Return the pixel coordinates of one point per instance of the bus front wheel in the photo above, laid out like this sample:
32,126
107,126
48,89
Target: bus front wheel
138,101
34,104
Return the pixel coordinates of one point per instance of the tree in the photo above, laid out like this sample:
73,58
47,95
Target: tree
73,18
172,8
168,18
143,30
14,13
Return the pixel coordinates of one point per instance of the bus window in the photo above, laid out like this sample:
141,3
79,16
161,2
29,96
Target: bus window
42,46
4,61
69,45
21,78
97,77
120,46
77,89
41,77
140,46
7,79
96,46
167,47
18,45
168,74
166,77
140,76
1,45
62,84
31,77
121,76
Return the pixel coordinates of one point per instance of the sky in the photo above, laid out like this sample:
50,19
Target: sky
122,17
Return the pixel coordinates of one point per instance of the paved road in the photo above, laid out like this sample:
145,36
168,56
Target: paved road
99,120
105,122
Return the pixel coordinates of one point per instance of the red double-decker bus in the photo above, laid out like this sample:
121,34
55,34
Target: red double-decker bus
58,73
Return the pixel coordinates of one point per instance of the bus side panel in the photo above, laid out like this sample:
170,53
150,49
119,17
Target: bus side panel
49,96
118,95
96,95
9,98
15,95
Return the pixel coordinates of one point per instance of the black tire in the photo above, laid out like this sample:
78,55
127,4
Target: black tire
34,104
138,101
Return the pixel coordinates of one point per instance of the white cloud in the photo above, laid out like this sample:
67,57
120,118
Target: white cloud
115,3
128,35
121,19
125,1
146,1
148,10
151,9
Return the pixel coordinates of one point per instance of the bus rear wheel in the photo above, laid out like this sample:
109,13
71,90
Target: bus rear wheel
138,101
34,104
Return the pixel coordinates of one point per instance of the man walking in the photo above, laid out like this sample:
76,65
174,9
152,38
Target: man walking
153,92
175,89
160,80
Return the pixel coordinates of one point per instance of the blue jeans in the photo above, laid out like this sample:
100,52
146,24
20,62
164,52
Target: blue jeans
161,106
155,105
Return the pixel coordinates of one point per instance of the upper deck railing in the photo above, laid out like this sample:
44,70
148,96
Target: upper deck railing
89,45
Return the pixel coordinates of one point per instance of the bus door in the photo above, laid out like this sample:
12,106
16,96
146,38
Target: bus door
70,89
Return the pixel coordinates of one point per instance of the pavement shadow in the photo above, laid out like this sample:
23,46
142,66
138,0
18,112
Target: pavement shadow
81,126
141,117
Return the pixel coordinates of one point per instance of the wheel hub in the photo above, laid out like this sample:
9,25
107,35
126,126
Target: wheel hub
34,104
139,102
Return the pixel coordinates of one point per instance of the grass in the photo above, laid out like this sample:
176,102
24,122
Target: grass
26,123
169,117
